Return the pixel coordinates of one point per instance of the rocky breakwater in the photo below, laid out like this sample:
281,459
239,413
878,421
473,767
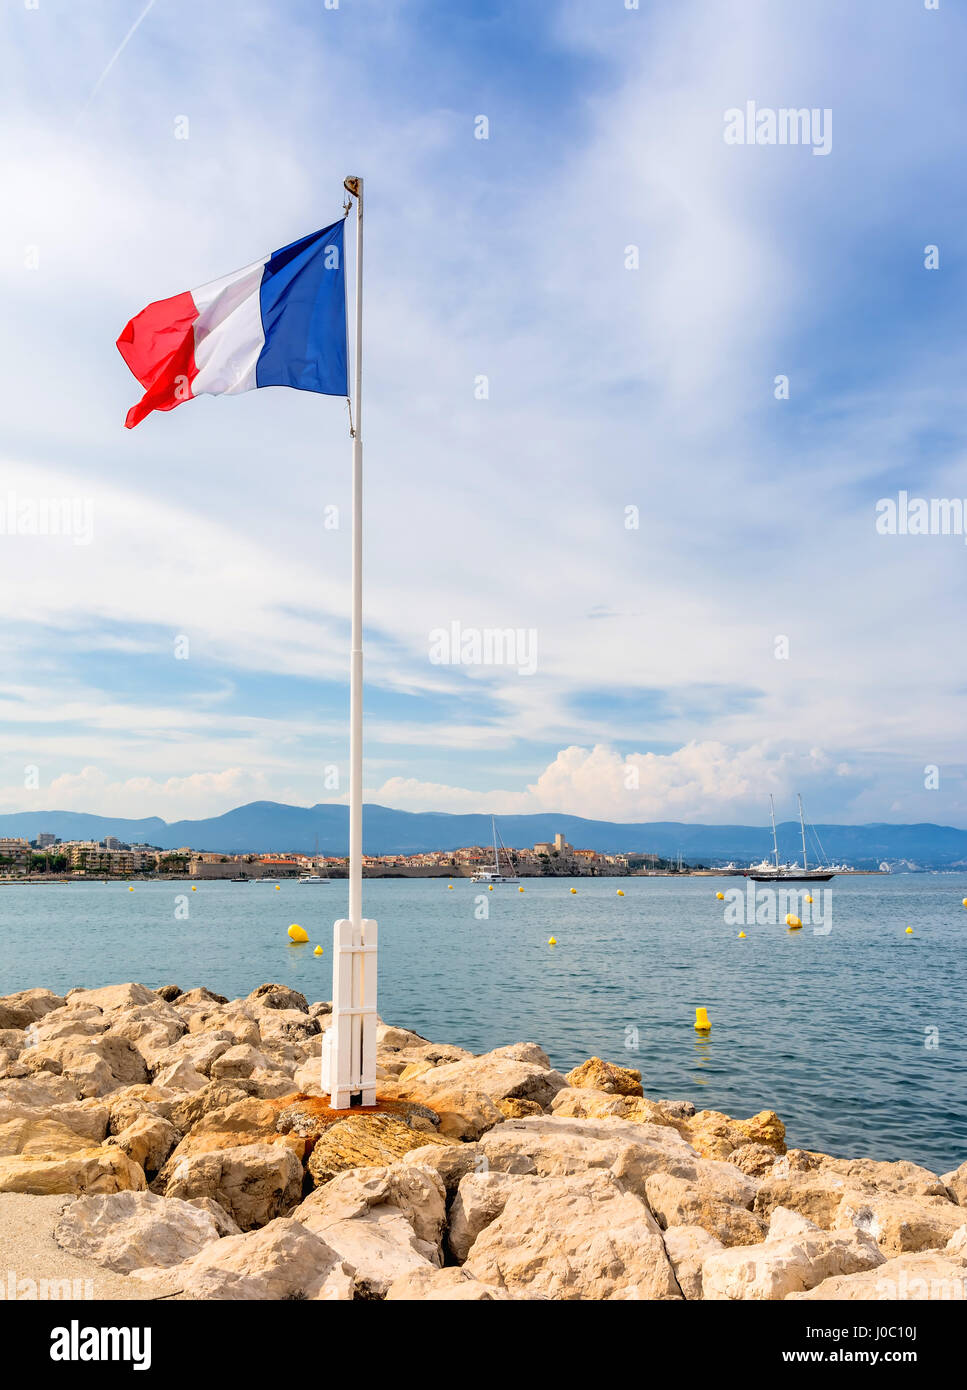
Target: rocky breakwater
196,1154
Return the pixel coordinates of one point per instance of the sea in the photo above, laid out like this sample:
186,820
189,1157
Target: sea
852,1029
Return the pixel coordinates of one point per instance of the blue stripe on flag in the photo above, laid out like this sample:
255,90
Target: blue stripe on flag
303,304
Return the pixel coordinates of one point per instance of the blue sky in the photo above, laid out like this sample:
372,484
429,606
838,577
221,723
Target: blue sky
657,693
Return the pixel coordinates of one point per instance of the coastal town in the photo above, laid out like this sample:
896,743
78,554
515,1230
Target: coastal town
48,857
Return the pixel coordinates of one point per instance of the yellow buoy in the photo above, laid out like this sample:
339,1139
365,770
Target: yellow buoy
298,934
520,890
720,896
702,1024
574,890
449,887
490,887
909,931
964,904
317,951
792,922
194,888
278,887
621,892
130,890
741,933
808,898
552,941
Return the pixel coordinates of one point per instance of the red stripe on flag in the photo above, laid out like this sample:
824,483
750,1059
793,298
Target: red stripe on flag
159,347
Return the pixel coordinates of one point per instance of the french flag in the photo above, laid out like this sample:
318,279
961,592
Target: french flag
278,322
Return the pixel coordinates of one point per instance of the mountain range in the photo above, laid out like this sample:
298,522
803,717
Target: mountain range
264,826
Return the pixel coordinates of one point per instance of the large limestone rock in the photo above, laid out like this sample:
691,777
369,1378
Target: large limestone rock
131,1230
243,1122
687,1247
285,1260
450,1162
112,997
180,1076
254,1183
579,1237
515,1109
237,1063
86,1118
27,1006
956,1184
416,1193
787,1263
757,1160
66,1023
465,1112
397,1048
582,1102
43,1089
549,1146
39,1138
98,1064
606,1076
275,997
480,1199
187,1109
192,998
198,1050
99,1169
935,1275
287,1026
148,1140
715,1196
151,1028
815,1184
384,1222
465,1094
500,1078
716,1135
901,1224
522,1052
365,1141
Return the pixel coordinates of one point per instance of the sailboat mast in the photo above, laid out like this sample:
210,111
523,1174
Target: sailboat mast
802,826
493,823
775,842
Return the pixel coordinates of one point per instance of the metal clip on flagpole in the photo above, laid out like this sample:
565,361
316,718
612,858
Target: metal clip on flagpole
349,1047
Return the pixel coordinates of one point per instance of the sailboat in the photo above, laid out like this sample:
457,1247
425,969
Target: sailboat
788,873
494,875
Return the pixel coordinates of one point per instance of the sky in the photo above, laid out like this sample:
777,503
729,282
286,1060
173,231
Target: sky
577,332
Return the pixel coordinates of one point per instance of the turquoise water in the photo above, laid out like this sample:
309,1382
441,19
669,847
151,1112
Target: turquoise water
828,1030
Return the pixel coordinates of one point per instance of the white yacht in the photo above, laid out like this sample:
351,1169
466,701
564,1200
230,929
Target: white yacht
314,878
788,873
494,875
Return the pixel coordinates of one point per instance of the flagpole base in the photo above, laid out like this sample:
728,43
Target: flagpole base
349,1047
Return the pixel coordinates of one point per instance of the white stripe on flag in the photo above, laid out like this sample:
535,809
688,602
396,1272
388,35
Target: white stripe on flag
228,332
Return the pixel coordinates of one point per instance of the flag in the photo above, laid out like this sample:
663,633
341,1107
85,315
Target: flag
278,322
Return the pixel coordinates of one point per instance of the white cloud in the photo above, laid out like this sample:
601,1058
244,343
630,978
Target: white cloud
609,388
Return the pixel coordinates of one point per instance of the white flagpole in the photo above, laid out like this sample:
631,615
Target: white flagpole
356,670
349,1051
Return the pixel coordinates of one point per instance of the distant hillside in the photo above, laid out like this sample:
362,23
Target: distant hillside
269,825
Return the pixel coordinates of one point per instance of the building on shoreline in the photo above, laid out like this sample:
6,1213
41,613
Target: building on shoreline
20,858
